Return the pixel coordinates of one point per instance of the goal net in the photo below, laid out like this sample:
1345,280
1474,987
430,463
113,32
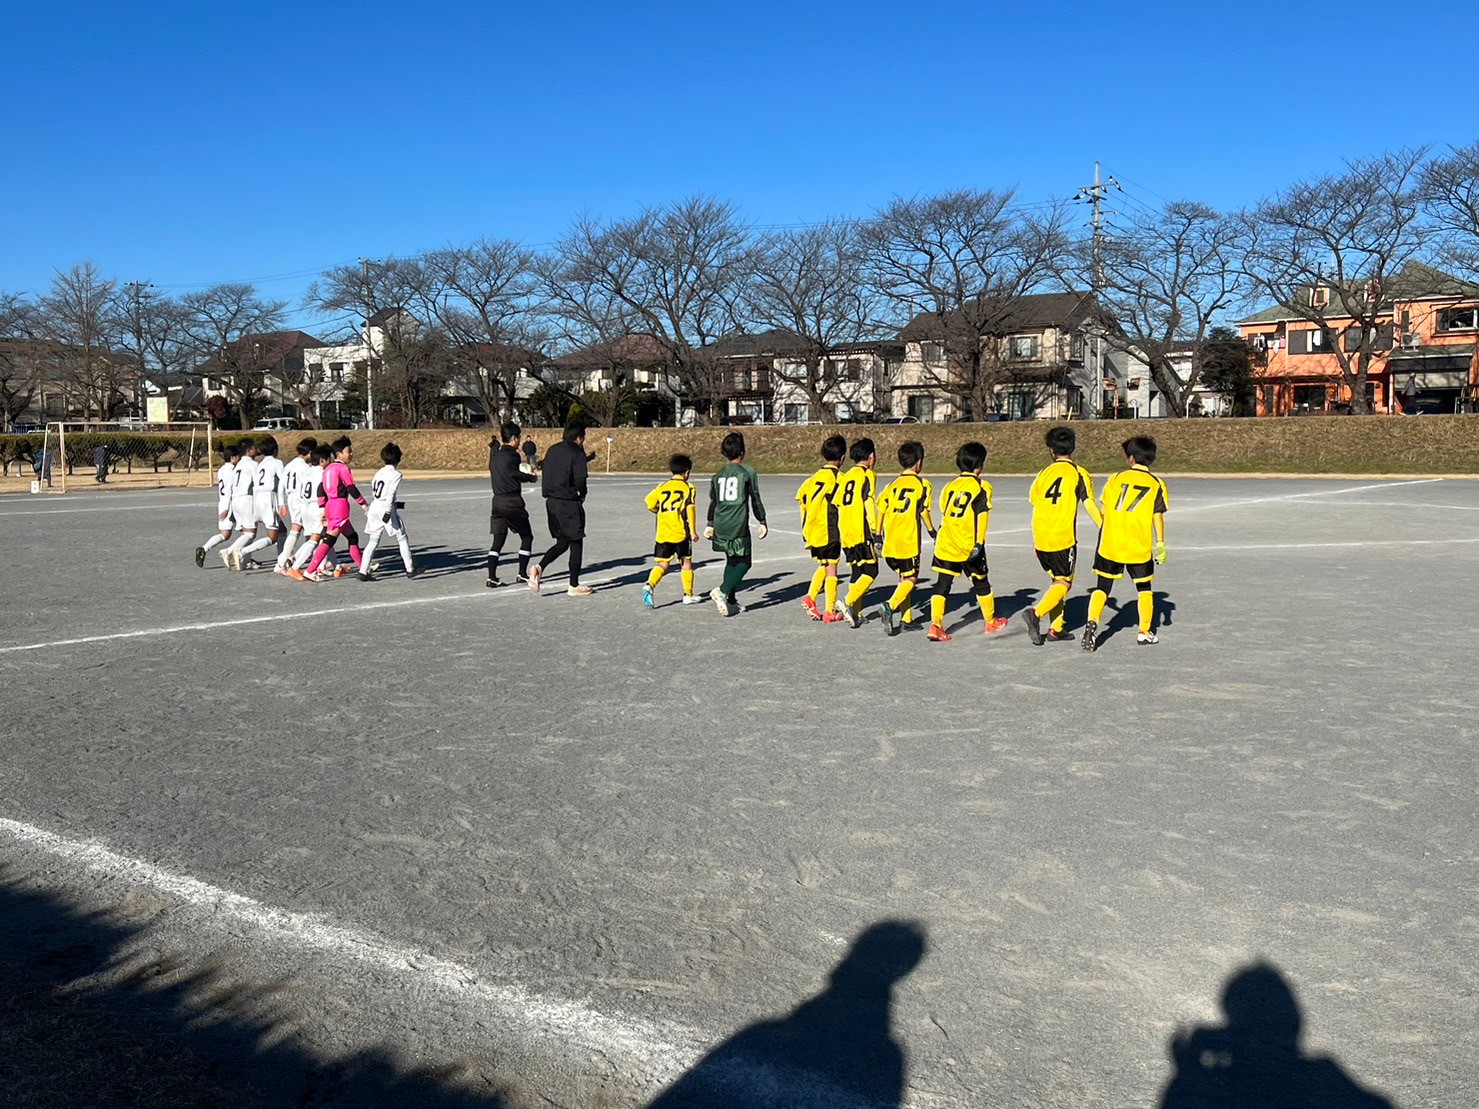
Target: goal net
75,454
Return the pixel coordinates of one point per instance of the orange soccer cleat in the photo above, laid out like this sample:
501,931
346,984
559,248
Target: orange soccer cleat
938,634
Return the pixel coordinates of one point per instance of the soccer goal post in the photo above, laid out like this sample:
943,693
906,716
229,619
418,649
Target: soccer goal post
71,449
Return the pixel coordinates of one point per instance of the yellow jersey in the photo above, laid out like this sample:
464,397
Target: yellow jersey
903,505
964,507
818,512
857,506
674,502
1132,500
1055,496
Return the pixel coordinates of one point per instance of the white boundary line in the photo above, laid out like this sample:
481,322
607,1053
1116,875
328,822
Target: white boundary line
1321,546
316,933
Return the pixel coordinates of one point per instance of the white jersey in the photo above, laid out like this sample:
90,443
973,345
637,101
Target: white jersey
310,514
268,487
225,478
243,480
384,489
293,476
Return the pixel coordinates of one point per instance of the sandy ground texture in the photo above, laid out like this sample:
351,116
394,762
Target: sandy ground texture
499,849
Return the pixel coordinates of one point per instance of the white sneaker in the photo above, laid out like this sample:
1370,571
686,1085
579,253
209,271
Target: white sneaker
1146,638
226,559
534,574
692,599
579,591
718,599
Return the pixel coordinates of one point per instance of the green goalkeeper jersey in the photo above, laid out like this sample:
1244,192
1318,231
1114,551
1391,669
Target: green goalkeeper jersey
734,493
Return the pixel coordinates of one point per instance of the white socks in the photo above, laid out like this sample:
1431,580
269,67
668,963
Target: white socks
214,541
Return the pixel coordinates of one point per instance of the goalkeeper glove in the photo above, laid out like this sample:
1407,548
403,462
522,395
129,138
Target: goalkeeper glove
764,531
1160,552
709,532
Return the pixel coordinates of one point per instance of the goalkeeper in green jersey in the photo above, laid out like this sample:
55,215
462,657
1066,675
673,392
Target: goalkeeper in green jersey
734,492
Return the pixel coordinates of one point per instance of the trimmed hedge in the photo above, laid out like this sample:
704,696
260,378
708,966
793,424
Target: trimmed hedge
1310,445
1305,445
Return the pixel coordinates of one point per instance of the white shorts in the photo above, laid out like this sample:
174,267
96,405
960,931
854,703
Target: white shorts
390,526
223,508
267,513
312,519
244,510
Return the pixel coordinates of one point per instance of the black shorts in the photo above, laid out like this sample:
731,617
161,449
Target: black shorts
832,552
566,519
904,567
863,554
681,549
1138,571
1059,564
974,568
510,515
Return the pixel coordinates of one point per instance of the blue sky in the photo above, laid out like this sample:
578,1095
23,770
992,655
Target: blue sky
188,143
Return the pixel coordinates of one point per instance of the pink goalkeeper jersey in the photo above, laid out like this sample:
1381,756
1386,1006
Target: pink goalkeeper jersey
337,480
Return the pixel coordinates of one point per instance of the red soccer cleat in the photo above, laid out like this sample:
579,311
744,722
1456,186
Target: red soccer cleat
937,634
995,624
810,604
833,618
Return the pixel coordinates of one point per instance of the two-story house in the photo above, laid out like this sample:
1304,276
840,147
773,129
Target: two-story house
768,373
1046,355
1425,339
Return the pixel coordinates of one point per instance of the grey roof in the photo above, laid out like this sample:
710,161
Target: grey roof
1417,281
1013,314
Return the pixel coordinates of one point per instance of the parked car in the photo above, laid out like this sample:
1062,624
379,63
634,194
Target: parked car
276,423
900,420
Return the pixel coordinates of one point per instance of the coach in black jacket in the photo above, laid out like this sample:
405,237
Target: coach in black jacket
564,504
509,513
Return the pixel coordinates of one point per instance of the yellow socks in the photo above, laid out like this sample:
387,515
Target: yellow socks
1058,621
816,582
857,590
656,576
937,609
1146,601
831,593
1052,599
688,583
901,595
1097,601
988,607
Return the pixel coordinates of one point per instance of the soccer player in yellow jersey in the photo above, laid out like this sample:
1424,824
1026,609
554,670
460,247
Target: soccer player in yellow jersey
857,525
819,528
675,504
1133,534
1060,487
902,510
960,547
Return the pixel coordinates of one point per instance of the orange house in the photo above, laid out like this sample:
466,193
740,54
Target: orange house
1427,350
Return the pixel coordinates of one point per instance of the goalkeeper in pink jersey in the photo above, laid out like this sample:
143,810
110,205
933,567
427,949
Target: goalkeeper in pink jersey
337,490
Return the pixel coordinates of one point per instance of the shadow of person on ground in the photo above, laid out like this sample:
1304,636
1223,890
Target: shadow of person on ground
782,596
1254,1060
837,1049
431,562
93,1013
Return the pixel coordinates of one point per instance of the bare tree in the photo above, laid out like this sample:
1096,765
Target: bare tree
224,326
959,265
152,330
76,315
809,284
485,298
1329,251
1449,191
20,366
1164,277
675,274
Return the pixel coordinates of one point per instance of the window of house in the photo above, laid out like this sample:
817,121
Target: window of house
743,380
336,372
934,353
1020,404
1309,341
1076,347
795,370
762,379
1309,398
852,370
1023,348
1319,296
795,413
1459,319
922,408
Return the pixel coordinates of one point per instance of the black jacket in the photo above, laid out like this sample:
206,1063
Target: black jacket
564,472
503,469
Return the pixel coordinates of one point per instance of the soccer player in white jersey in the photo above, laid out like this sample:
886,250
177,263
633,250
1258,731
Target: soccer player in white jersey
294,474
267,497
383,517
312,514
225,477
243,506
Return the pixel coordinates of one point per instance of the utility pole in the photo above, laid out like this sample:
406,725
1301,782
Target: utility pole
1093,195
370,358
136,322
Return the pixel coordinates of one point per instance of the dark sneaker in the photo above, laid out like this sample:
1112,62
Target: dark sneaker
521,579
364,576
494,583
200,556
1091,630
414,572
850,614
1034,627
890,620
1060,637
